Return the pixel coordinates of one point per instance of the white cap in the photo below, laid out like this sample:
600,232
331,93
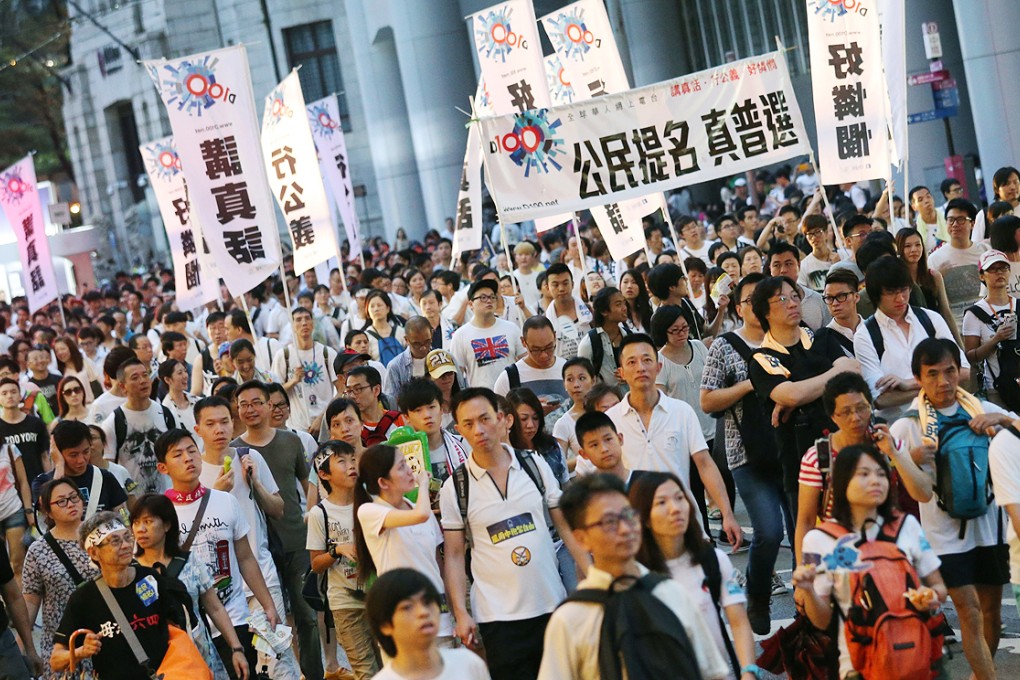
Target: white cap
989,258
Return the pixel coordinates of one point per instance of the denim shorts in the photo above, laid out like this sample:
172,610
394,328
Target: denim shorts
14,521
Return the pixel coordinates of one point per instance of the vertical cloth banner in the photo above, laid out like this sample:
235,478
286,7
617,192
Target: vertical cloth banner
467,225
561,90
585,45
335,166
211,107
510,56
194,283
849,95
19,195
292,166
892,15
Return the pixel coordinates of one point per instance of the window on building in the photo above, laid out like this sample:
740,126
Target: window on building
313,48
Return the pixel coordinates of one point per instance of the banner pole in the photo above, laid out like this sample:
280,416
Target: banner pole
825,199
286,290
247,313
60,306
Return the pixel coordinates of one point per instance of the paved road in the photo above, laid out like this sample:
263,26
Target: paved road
1007,660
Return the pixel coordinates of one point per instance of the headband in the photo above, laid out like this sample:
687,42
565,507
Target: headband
102,532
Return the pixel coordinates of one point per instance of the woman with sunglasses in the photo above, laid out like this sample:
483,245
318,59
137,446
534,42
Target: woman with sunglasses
71,362
56,565
71,400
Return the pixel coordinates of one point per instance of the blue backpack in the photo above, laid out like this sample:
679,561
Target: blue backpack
962,481
389,347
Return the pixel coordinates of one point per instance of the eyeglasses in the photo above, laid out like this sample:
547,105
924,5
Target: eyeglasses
279,406
676,332
65,501
814,232
860,234
118,540
783,299
957,220
745,301
859,410
72,390
838,297
484,298
245,405
356,389
611,523
548,349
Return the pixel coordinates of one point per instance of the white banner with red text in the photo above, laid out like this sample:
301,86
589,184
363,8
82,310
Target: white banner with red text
211,107
19,196
849,92
714,123
194,283
584,42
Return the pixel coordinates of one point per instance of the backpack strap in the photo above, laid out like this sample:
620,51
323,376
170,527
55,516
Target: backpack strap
588,596
286,362
598,352
527,461
125,628
168,418
982,316
95,491
833,529
513,375
871,325
177,563
739,346
388,418
462,488
709,562
72,571
119,432
823,449
922,316
891,530
202,504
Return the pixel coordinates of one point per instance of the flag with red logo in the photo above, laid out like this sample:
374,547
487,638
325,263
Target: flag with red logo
19,196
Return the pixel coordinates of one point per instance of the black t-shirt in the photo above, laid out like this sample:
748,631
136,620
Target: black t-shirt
32,440
111,494
148,607
48,388
6,576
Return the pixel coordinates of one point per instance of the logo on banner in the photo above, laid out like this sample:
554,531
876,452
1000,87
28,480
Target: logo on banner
321,122
278,109
496,39
163,161
532,144
195,86
839,8
571,36
560,88
13,188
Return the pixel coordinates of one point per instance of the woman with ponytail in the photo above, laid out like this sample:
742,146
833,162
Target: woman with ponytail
391,532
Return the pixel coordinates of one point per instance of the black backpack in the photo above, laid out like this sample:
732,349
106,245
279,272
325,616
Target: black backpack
1008,354
871,324
641,638
120,427
762,452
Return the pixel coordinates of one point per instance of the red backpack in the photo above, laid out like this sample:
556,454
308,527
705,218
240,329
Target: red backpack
885,635
378,435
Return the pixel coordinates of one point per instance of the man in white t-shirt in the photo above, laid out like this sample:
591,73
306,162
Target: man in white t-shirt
1004,466
570,316
113,397
306,368
957,260
695,244
929,221
527,272
540,370
220,539
250,481
974,560
486,345
513,561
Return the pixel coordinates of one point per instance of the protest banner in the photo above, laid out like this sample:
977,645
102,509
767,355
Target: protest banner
211,108
584,43
19,196
849,92
194,282
510,56
892,16
714,123
467,225
335,166
292,166
560,89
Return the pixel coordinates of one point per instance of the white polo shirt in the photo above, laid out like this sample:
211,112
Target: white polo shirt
899,350
513,560
673,434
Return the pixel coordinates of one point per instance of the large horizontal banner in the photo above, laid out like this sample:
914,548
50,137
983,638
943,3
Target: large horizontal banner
714,123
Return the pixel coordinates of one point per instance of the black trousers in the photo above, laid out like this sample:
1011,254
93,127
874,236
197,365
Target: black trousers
513,649
226,654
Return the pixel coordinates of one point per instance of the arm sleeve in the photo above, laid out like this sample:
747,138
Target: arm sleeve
552,486
942,331
117,493
448,507
316,530
109,453
241,527
32,582
502,385
372,516
558,662
764,382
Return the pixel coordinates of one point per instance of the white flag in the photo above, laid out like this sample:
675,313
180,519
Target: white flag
334,163
560,88
849,93
292,166
583,39
209,101
19,195
510,56
467,225
195,282
892,15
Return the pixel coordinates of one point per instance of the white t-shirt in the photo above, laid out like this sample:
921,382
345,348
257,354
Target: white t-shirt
10,499
103,406
541,381
458,664
813,272
342,577
222,524
568,331
137,452
692,577
701,253
947,256
975,327
258,538
412,547
310,396
528,284
1004,465
942,530
483,353
565,430
123,476
911,541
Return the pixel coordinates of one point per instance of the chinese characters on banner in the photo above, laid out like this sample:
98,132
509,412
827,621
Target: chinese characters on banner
328,134
19,195
293,169
195,279
467,225
714,123
584,42
510,56
209,101
849,92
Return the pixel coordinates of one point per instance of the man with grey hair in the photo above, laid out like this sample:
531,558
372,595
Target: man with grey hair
411,362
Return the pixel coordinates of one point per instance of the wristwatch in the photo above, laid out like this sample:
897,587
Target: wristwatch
237,650
332,552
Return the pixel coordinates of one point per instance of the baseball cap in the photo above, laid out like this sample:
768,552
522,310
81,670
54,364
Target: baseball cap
347,357
484,283
740,182
989,258
439,362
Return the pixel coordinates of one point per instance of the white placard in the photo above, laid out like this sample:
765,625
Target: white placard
335,166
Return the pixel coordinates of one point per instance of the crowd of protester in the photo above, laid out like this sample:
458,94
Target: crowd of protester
218,492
